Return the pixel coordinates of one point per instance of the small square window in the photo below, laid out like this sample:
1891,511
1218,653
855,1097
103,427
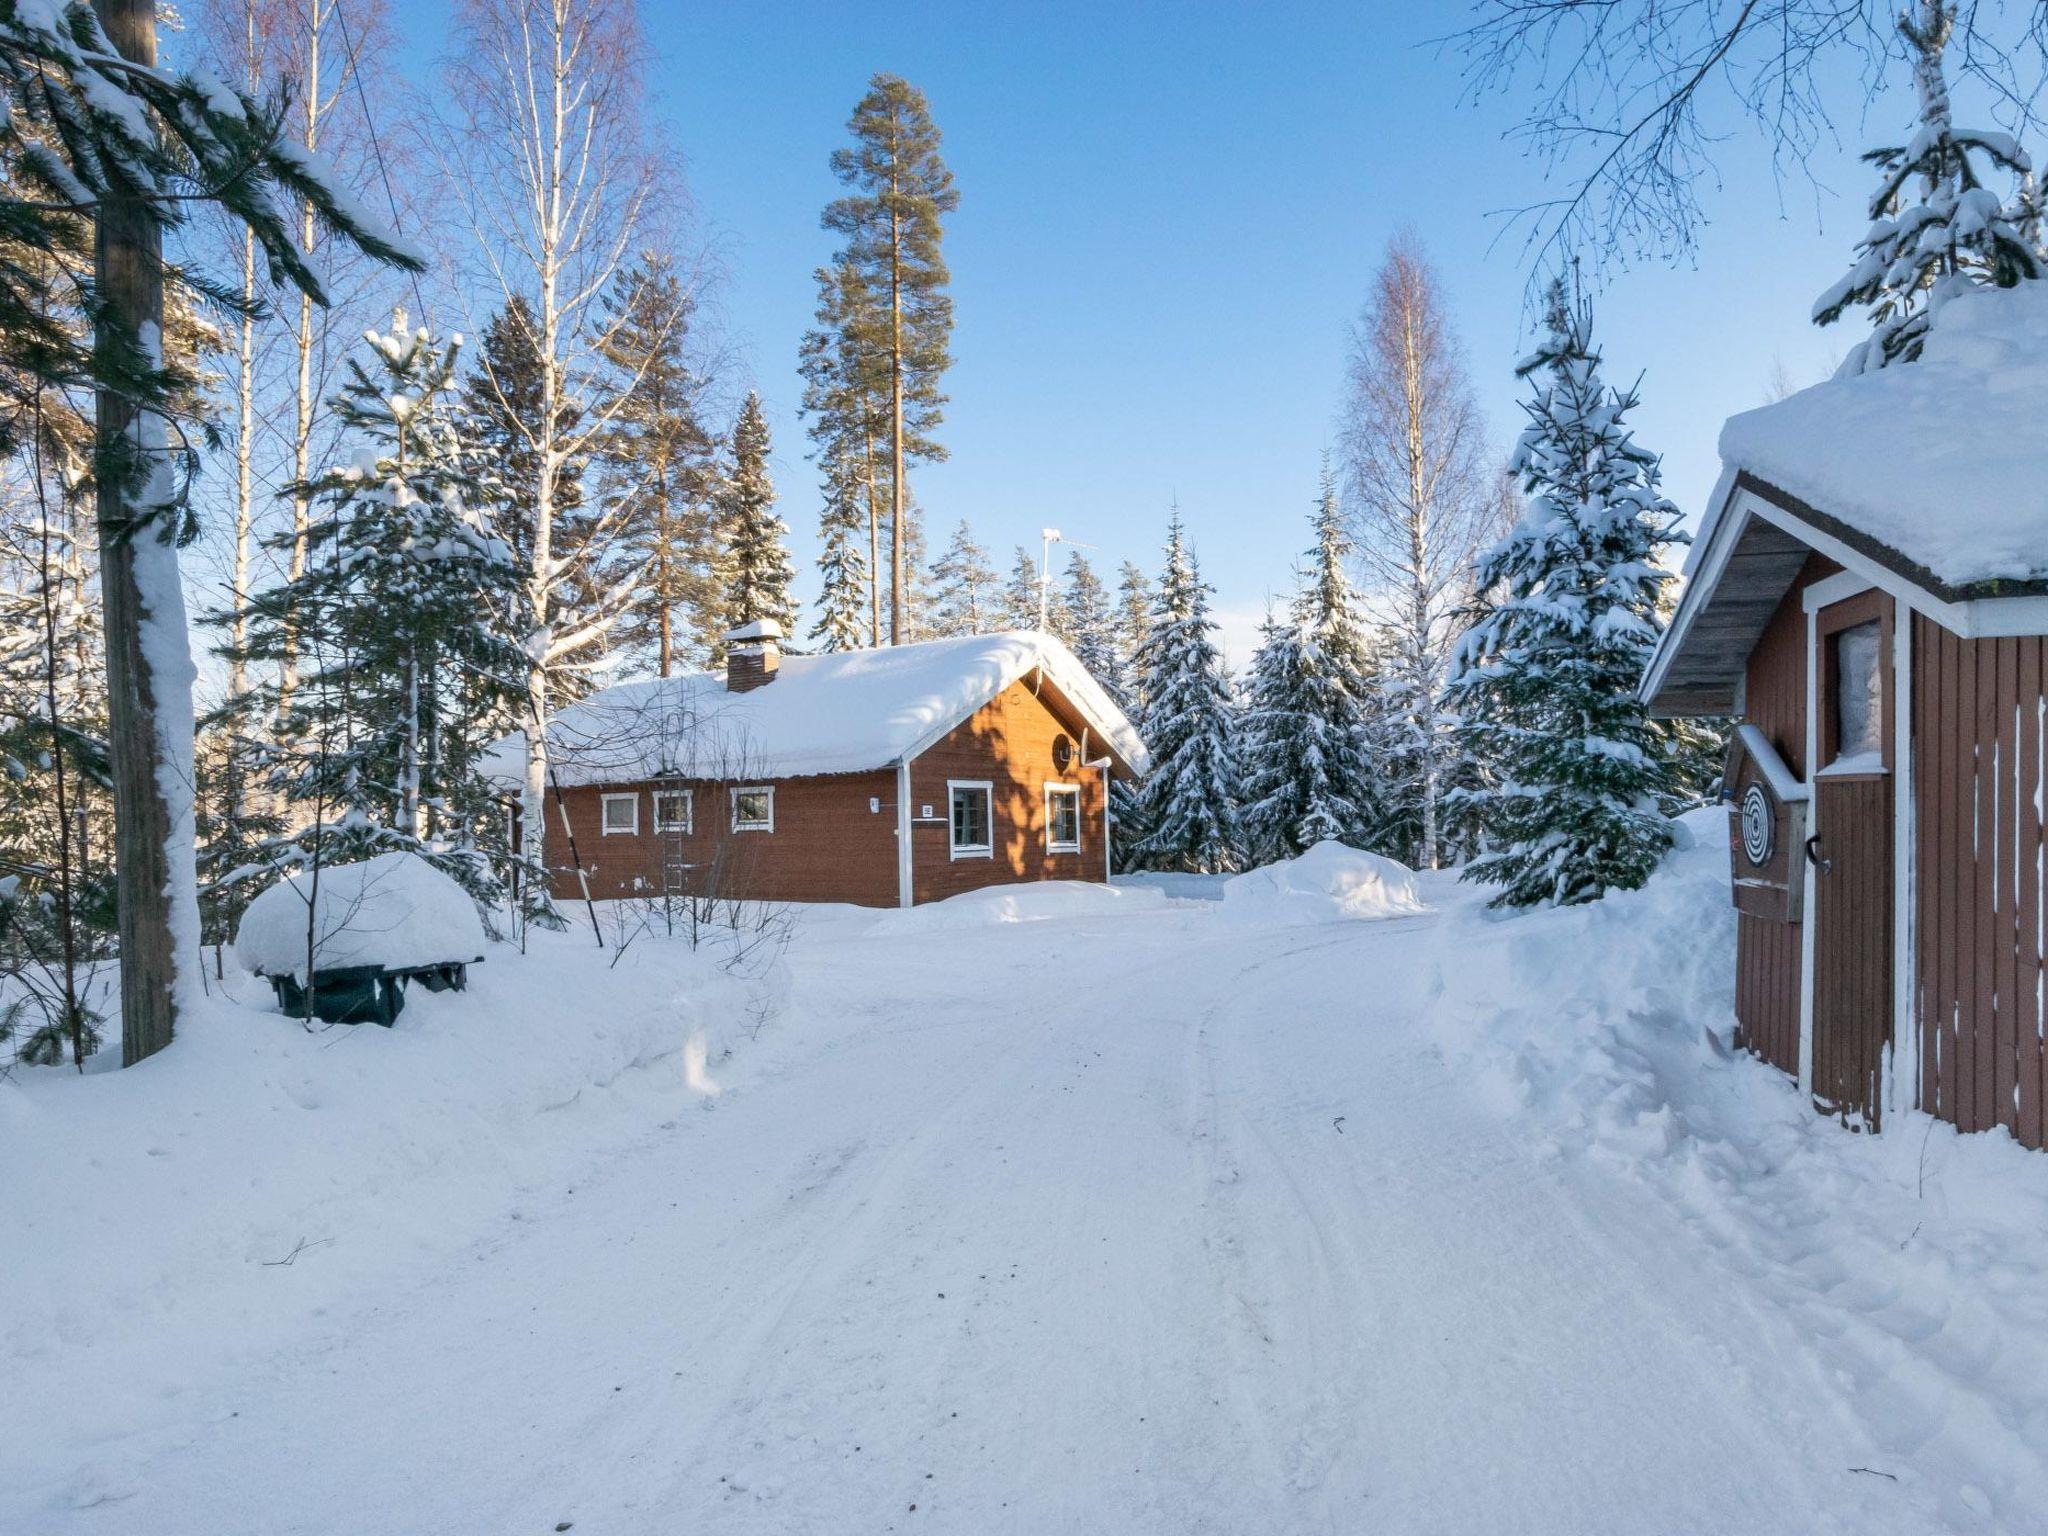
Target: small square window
753,808
1062,818
971,819
621,815
672,810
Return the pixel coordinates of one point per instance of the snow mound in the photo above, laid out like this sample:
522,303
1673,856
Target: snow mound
1330,881
1033,902
395,910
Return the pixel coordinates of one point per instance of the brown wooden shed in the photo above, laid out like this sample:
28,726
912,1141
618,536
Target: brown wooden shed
879,777
1868,597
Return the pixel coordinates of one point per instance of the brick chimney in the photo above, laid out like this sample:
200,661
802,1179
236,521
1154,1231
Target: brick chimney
753,653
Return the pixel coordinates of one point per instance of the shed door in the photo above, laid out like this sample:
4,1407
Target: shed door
1851,852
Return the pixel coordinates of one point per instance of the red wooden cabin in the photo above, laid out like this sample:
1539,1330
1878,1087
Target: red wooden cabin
880,777
1868,596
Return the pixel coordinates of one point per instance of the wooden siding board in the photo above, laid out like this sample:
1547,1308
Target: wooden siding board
1979,894
1985,1108
2025,1009
2005,888
1947,807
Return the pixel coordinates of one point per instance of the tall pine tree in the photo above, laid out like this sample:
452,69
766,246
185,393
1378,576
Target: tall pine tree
1545,684
891,223
757,560
1936,230
1186,809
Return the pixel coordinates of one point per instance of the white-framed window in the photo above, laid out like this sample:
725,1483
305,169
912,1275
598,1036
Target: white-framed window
1062,818
619,815
1859,694
971,805
753,808
672,811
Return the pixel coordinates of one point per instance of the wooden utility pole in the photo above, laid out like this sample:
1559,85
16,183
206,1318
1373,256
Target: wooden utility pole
128,268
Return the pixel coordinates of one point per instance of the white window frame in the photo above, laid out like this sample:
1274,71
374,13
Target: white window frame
753,826
687,824
987,850
604,814
1056,787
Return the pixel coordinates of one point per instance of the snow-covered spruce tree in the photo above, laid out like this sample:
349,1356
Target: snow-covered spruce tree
1307,773
1133,622
1544,685
963,586
414,650
1091,624
758,567
1936,230
1018,605
844,593
1187,806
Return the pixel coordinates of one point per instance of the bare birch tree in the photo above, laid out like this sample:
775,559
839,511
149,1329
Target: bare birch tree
1421,499
556,177
1630,107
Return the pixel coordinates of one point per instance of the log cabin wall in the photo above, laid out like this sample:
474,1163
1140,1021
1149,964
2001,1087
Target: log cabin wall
1767,951
1009,742
834,840
1980,739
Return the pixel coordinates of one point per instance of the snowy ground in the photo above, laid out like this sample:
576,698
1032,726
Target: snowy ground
1094,1212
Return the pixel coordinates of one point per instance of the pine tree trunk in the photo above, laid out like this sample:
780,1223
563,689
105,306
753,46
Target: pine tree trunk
895,424
874,545
142,700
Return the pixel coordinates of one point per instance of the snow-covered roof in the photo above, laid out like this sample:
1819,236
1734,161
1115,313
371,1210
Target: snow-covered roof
1941,464
844,712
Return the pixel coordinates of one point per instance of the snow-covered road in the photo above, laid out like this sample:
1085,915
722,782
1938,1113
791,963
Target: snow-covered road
1140,1223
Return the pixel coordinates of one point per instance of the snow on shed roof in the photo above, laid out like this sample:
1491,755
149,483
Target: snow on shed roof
843,712
1941,462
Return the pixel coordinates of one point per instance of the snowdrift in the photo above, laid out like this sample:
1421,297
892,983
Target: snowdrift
1909,1265
1028,902
1328,883
395,910
262,1169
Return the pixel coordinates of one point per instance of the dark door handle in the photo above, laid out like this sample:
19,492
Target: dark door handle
1815,857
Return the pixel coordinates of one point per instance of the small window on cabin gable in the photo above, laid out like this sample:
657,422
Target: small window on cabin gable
1062,818
672,810
972,819
1859,694
619,815
753,808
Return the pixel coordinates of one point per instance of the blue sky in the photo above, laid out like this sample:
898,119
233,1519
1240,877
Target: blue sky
1169,214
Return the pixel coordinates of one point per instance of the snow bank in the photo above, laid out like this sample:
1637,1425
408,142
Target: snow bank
395,910
261,1170
1327,883
1030,902
1938,459
1906,1266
